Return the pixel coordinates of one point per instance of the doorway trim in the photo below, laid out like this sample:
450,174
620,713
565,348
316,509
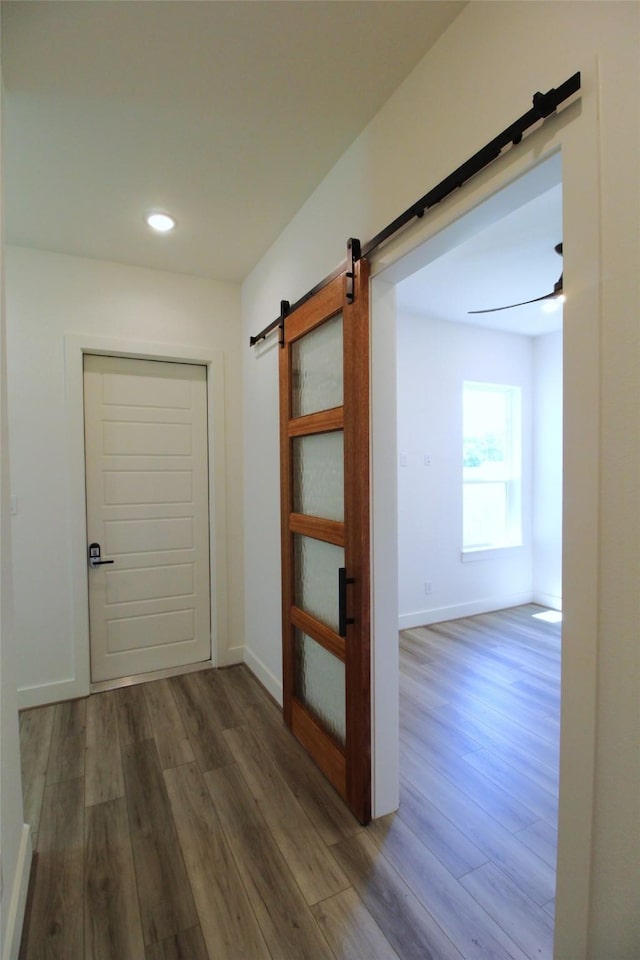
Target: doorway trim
575,133
75,347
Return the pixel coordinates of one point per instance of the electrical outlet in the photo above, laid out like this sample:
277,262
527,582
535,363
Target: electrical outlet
427,460
427,587
404,459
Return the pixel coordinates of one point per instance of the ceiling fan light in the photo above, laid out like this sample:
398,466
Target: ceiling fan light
552,304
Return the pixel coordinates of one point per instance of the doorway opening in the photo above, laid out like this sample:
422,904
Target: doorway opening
456,652
479,422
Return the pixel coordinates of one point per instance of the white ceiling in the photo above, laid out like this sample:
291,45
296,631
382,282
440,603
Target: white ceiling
225,113
508,262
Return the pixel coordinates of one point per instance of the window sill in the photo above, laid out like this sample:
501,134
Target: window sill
490,553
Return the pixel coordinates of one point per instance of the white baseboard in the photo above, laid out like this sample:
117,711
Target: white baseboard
420,618
231,656
44,693
264,675
18,901
547,600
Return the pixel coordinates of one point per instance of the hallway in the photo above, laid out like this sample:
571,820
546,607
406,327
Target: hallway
178,818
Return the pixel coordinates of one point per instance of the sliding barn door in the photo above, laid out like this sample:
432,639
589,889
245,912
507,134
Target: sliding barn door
324,428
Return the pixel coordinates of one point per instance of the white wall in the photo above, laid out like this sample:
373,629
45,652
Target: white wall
476,80
547,470
15,839
433,359
49,296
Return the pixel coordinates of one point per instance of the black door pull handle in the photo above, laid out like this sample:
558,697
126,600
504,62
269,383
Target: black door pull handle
343,619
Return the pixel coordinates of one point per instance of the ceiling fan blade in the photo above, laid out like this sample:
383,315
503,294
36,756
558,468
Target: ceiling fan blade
555,294
509,306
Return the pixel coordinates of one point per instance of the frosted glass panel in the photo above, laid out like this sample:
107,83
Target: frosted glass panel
320,684
316,565
316,369
318,475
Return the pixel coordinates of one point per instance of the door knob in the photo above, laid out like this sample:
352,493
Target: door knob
94,556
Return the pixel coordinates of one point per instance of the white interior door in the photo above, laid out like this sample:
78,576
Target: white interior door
148,511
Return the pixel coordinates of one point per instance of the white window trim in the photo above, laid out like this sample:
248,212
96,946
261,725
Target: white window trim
500,551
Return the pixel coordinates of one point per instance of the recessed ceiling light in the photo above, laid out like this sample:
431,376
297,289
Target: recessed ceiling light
161,222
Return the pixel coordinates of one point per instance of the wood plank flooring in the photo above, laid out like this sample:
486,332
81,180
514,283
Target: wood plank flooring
179,819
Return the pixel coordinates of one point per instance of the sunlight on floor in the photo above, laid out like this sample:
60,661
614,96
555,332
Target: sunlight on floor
550,616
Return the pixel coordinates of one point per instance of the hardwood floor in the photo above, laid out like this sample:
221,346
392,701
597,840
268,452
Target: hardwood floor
179,819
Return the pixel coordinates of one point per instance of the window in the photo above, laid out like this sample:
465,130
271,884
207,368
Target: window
492,466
